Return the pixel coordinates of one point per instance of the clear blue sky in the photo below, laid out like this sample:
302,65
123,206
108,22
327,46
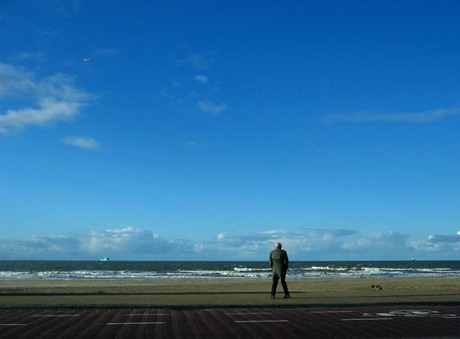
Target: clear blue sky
208,130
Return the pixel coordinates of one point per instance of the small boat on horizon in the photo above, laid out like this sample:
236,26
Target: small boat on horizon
104,259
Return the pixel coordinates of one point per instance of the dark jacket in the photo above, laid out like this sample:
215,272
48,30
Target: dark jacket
279,262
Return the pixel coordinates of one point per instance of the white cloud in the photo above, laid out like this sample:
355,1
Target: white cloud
377,241
309,241
439,243
81,142
415,117
299,244
39,247
274,232
133,243
451,238
128,243
212,108
319,244
199,248
48,111
202,79
38,102
122,241
15,81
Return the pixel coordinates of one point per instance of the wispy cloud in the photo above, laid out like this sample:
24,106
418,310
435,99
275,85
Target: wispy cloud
211,107
411,117
81,142
44,101
201,79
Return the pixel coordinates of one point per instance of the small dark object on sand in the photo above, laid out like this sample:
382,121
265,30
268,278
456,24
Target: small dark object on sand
377,287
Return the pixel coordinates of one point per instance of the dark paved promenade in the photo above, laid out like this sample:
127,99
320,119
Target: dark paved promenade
328,322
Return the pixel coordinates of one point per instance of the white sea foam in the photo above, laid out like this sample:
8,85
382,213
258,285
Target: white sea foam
56,270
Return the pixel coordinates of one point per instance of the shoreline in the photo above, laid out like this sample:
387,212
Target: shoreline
226,293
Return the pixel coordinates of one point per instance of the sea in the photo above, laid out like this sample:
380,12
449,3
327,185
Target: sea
216,270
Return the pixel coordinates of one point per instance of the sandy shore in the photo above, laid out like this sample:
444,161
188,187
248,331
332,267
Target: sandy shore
225,293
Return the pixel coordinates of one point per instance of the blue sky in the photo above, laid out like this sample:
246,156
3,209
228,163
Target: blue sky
208,130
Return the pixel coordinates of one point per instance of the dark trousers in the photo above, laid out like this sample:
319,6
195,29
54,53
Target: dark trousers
276,277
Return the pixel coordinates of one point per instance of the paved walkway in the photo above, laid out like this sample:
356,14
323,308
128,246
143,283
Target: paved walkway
331,322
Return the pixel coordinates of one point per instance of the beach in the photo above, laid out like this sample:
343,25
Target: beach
226,293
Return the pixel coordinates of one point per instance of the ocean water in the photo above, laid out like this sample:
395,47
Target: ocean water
135,270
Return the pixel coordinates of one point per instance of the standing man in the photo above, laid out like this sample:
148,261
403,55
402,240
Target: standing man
279,263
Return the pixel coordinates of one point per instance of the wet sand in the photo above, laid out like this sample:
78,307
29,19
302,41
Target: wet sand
226,293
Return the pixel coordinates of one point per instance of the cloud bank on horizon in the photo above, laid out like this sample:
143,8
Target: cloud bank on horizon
133,243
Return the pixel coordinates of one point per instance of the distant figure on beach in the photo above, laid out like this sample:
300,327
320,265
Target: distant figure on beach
279,264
